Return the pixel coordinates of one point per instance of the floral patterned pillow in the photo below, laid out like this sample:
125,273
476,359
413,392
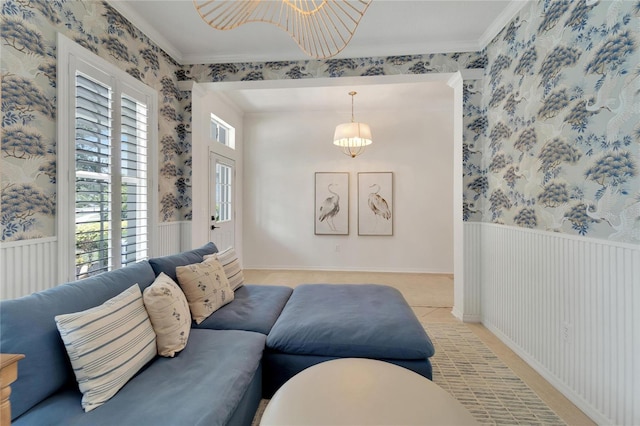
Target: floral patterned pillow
169,314
206,287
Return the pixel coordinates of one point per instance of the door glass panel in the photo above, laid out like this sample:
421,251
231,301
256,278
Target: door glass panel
223,192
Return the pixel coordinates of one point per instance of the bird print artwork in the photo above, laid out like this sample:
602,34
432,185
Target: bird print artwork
330,208
377,204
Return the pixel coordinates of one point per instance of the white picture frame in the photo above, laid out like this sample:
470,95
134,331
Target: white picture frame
331,205
375,203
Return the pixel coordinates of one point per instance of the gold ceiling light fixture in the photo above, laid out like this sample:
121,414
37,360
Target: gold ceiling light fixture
322,28
352,137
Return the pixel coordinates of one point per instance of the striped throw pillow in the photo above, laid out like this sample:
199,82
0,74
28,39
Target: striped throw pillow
231,265
107,345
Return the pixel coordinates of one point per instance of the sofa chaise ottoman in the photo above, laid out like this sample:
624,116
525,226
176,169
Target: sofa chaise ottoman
321,322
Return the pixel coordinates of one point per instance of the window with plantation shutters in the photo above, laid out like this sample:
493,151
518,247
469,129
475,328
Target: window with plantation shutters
133,184
111,123
93,176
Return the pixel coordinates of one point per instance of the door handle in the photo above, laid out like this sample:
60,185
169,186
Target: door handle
214,227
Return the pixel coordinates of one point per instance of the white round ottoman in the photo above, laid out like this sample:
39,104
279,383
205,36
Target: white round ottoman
358,391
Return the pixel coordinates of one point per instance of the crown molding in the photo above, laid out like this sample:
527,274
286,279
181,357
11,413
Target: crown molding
349,53
225,59
417,48
501,22
144,26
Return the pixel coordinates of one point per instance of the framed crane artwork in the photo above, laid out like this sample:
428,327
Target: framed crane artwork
375,203
332,203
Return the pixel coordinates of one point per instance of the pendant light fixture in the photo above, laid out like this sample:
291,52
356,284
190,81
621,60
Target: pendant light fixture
352,137
321,28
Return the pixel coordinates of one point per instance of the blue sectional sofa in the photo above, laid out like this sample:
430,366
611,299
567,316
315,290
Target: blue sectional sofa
218,378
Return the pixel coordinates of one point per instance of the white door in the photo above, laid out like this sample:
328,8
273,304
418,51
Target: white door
222,211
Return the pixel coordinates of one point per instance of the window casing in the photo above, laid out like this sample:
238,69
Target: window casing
106,205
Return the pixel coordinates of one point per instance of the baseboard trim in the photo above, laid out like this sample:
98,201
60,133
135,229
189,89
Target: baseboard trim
472,318
456,313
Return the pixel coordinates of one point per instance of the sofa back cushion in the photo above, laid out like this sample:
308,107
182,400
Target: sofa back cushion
168,264
27,326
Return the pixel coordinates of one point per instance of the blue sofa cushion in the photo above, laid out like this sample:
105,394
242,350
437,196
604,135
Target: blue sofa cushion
254,308
27,327
202,385
167,264
351,320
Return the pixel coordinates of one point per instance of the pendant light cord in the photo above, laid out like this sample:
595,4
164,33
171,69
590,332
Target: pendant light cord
352,95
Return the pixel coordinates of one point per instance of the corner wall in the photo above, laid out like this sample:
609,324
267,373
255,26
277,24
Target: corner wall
557,252
570,307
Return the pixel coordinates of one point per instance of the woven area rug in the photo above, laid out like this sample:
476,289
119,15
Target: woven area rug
466,368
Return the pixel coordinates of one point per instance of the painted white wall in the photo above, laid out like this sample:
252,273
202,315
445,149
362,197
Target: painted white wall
282,152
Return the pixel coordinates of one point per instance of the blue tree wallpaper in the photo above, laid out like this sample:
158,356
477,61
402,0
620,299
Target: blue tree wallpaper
28,72
561,97
551,137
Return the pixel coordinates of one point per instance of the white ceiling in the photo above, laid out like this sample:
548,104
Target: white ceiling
389,27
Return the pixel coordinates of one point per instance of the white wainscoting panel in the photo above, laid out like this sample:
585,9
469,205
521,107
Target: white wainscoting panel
570,307
169,239
32,265
467,297
185,236
28,266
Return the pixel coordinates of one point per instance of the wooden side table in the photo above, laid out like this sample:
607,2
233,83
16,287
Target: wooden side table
8,375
